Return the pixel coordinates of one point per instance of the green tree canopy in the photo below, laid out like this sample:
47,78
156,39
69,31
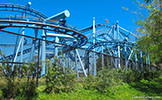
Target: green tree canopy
151,26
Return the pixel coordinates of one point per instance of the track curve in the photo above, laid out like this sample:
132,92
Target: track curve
37,20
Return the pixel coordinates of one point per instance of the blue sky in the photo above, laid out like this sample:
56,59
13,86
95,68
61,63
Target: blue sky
83,11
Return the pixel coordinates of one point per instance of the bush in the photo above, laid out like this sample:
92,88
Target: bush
130,75
90,82
149,74
59,78
27,91
1,94
10,90
104,81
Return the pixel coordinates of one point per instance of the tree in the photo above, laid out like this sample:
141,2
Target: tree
152,27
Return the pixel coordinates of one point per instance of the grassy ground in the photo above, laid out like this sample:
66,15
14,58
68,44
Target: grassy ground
143,90
123,92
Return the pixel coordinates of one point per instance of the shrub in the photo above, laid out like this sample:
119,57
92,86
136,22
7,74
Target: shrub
104,81
1,94
90,82
27,91
59,78
107,79
130,75
149,74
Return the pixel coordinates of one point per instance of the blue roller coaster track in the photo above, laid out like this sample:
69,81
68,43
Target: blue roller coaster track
49,35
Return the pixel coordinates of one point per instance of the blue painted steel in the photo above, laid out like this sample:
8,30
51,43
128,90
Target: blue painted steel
114,38
61,15
141,59
102,50
56,49
76,65
22,45
94,42
22,9
33,45
43,53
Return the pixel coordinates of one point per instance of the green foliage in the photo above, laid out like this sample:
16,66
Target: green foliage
129,75
27,91
58,77
90,82
152,27
1,94
107,79
104,81
149,74
10,90
14,76
151,87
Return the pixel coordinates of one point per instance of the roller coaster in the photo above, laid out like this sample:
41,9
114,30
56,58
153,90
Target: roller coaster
26,33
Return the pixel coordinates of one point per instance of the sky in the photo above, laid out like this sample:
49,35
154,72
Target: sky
83,11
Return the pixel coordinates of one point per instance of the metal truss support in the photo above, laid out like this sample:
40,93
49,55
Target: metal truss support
37,69
70,65
118,56
64,60
87,65
141,59
33,45
116,61
43,53
68,61
17,39
118,38
125,53
76,65
94,57
17,51
136,61
115,51
22,45
148,58
130,56
56,48
84,71
102,57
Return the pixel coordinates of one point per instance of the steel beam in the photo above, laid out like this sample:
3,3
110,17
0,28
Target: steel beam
43,52
81,63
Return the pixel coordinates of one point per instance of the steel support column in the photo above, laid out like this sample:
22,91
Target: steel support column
118,38
136,61
56,48
102,57
17,51
94,37
141,60
118,55
33,45
22,45
43,52
81,62
125,54
76,65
